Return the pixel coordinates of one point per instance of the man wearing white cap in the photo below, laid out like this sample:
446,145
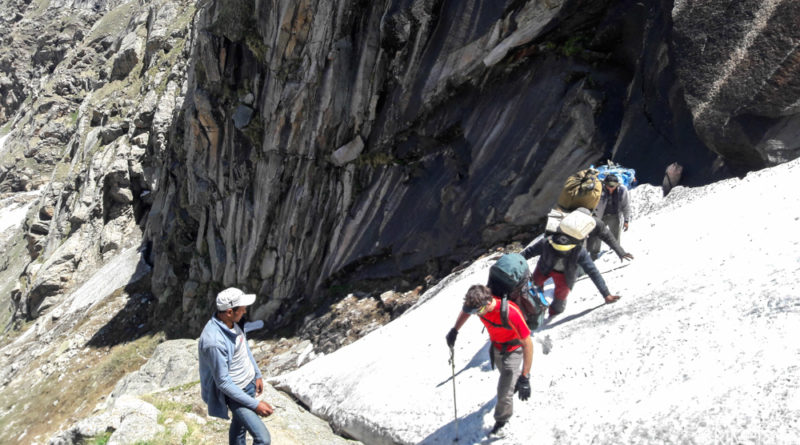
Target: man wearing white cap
229,375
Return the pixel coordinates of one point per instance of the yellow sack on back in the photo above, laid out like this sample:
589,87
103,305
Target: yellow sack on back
583,189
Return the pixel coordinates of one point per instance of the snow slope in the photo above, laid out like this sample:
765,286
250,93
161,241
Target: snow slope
3,142
702,347
13,211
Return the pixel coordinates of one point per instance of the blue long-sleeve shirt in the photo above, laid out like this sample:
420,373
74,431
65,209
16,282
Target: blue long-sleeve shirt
216,348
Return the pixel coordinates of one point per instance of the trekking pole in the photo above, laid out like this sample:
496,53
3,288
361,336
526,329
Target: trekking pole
455,408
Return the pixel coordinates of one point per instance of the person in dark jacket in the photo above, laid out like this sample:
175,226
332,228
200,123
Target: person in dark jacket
559,257
614,209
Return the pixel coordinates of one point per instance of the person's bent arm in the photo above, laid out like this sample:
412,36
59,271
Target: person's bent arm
533,250
451,336
219,370
462,318
625,206
602,231
527,356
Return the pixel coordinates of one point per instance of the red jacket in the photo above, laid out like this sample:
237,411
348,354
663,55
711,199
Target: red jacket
499,335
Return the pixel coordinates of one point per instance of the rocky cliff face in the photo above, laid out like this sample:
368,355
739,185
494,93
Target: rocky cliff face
331,144
100,94
738,63
301,149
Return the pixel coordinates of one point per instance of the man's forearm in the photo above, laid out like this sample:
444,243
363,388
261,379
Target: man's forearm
462,318
527,356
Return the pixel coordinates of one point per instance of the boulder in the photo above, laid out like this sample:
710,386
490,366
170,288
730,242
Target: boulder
138,421
296,356
141,140
112,132
85,428
130,52
242,116
348,152
122,195
46,212
173,363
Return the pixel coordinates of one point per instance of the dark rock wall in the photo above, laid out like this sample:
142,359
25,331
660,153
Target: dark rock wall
656,126
738,62
306,148
330,145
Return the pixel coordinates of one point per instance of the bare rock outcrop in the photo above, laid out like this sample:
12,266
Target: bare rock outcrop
295,148
169,379
309,150
738,62
331,144
87,141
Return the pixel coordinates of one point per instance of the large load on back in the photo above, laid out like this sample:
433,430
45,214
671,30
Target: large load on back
510,279
583,189
578,224
626,176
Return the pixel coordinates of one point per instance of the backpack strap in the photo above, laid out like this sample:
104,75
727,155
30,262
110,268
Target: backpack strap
504,312
504,347
503,316
505,325
497,325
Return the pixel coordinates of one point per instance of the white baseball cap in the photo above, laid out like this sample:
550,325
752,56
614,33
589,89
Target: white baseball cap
233,297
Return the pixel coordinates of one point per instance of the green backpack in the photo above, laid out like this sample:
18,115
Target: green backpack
510,279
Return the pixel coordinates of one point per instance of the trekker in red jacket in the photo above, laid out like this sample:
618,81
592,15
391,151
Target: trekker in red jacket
511,347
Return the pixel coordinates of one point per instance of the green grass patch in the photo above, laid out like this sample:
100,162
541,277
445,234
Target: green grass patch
5,129
114,22
573,46
40,6
102,439
174,406
377,159
89,379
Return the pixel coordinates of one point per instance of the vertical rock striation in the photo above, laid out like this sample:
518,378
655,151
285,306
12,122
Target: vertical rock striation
331,143
301,149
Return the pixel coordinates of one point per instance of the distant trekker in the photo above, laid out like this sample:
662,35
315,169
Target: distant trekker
672,177
613,209
561,252
229,375
511,347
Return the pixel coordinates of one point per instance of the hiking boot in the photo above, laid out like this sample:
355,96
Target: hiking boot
498,431
557,306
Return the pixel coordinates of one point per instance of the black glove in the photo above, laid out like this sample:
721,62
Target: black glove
451,337
523,386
